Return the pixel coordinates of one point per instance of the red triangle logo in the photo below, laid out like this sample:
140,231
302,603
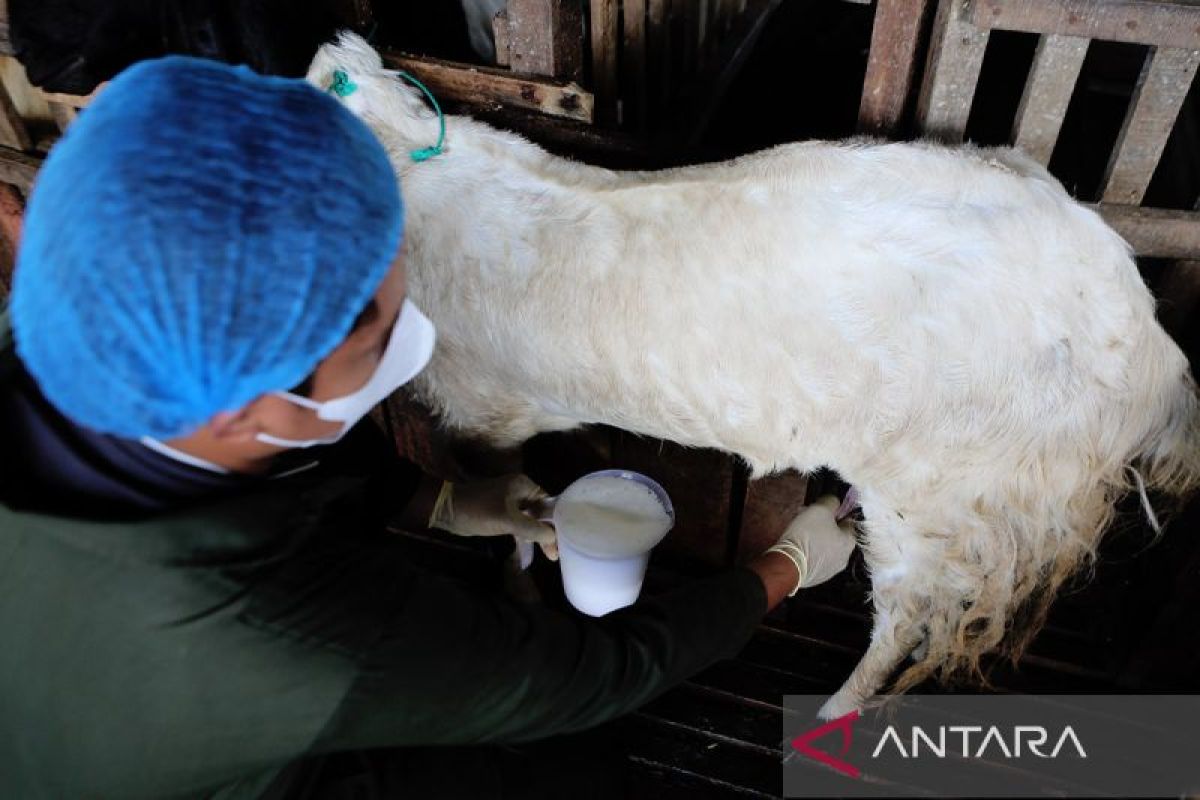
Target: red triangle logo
803,743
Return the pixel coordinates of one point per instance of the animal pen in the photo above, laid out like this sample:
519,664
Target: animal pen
1102,91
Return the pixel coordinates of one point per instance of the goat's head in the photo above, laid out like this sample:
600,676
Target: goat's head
395,110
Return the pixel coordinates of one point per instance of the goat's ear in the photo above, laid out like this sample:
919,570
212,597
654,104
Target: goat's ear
320,71
341,66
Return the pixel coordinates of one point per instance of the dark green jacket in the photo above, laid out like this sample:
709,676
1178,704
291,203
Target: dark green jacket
172,655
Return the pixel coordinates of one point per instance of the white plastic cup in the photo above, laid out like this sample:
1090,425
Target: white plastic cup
597,584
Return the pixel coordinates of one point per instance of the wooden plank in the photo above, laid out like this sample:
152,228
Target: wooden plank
658,53
6,47
72,100
64,115
1161,88
482,85
12,213
955,57
13,132
18,169
1052,78
633,72
1155,232
546,38
890,64
500,36
604,59
1166,23
771,504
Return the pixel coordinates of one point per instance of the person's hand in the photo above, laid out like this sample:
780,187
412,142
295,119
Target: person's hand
494,507
818,546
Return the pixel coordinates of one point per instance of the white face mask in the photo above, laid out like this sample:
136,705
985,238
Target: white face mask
408,351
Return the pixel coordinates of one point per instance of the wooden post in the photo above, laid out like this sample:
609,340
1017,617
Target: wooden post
1162,86
952,71
633,71
658,53
1055,70
5,41
64,115
891,64
12,212
545,37
500,36
19,169
604,59
12,128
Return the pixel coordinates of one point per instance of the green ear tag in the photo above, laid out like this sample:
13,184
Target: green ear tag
342,86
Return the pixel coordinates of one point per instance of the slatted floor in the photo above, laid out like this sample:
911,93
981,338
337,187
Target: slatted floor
718,735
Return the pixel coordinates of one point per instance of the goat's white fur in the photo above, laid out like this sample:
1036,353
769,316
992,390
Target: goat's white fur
944,327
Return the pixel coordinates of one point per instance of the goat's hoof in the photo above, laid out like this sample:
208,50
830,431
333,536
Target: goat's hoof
839,705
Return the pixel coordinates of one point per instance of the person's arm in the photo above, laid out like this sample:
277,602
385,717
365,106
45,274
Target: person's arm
778,575
455,666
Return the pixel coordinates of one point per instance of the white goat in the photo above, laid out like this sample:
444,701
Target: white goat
945,327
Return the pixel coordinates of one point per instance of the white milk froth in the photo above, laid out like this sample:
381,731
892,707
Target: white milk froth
611,517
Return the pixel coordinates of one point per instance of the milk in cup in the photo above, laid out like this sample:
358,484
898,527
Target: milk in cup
607,523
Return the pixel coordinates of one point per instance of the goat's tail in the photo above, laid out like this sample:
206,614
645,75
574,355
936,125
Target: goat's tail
1169,460
1167,463
1034,547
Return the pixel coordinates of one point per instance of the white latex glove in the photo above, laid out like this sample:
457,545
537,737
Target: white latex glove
494,507
818,546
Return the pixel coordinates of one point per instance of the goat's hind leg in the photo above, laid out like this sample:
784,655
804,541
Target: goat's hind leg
894,636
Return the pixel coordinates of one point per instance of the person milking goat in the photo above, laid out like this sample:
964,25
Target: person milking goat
199,597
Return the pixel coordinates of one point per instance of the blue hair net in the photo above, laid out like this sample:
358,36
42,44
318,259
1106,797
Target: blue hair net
201,235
